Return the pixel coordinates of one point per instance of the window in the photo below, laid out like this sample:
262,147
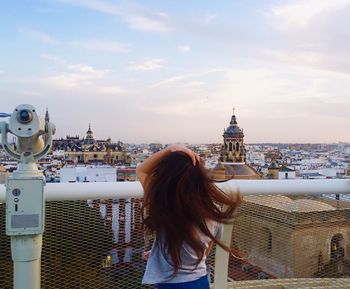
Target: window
266,240
269,243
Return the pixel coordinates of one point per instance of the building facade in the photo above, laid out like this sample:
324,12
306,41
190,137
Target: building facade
294,238
88,150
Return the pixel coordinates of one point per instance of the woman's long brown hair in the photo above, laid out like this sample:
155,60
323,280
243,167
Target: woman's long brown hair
180,199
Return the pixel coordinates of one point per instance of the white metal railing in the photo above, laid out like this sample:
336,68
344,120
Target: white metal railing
121,190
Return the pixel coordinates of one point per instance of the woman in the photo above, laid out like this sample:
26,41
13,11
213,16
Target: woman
182,207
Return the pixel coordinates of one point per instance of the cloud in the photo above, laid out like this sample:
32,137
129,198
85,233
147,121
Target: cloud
146,24
169,82
184,48
298,14
309,34
317,60
112,89
87,70
149,64
136,18
38,36
77,76
102,46
193,79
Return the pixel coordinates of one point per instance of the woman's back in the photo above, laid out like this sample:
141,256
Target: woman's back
182,207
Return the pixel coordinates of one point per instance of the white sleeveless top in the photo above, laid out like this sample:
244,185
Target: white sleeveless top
158,270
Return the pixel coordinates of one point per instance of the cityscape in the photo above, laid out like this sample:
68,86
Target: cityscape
87,159
79,157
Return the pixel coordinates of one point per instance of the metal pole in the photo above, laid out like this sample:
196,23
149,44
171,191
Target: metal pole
26,256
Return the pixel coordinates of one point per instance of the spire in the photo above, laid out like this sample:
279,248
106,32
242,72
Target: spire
233,118
89,133
47,116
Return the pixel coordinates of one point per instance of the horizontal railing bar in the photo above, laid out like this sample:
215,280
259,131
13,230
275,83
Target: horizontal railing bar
121,190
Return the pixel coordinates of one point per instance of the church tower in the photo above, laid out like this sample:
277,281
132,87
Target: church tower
89,133
89,137
47,120
233,149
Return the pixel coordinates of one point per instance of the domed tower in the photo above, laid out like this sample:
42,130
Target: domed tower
89,137
233,149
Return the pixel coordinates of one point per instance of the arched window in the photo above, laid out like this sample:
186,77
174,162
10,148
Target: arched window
267,240
237,146
230,147
337,249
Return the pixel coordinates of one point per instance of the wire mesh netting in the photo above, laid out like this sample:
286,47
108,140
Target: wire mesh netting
94,244
291,237
99,244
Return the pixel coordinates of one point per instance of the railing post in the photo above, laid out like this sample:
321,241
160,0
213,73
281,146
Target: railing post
222,259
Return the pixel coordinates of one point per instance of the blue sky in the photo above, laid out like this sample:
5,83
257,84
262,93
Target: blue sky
168,71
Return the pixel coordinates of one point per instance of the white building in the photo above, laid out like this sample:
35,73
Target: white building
88,174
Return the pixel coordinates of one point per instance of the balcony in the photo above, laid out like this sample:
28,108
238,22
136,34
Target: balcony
289,234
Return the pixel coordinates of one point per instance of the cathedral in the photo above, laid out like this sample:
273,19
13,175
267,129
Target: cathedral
233,149
88,150
232,163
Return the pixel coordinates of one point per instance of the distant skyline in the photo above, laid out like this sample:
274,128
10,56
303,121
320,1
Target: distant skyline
171,71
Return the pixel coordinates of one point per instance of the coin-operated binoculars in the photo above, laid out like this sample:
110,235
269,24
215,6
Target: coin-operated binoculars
25,202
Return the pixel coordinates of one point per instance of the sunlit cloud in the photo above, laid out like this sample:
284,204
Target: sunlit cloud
87,70
136,19
150,64
298,14
318,60
143,23
169,82
102,46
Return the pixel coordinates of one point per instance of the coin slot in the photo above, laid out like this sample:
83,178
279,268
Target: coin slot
16,207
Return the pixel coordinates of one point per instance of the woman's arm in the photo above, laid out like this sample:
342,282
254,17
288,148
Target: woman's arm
145,168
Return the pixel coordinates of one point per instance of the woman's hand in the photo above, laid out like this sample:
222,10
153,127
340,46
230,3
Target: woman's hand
177,148
144,169
145,255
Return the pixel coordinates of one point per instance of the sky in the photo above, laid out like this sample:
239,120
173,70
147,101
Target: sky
171,71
